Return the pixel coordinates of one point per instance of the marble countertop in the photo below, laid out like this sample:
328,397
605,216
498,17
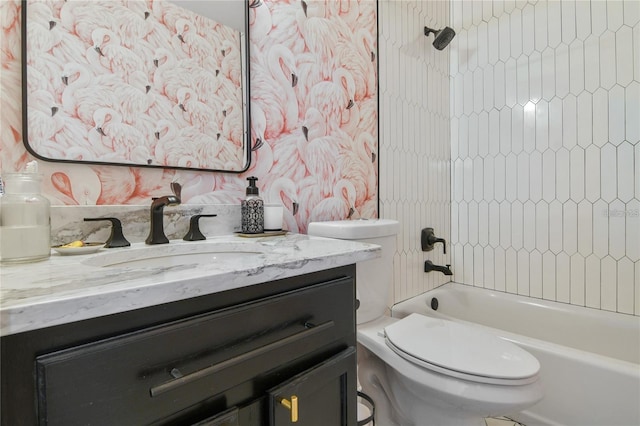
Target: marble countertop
65,289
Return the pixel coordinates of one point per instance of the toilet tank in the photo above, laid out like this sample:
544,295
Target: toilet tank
374,278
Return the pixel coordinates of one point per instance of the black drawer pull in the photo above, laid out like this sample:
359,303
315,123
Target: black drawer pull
173,384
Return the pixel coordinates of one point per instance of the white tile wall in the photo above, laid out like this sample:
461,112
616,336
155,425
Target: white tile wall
545,143
415,136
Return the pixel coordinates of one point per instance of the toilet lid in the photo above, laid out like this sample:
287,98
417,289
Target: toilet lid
450,347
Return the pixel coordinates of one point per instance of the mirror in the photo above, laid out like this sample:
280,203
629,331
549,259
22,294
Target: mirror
137,82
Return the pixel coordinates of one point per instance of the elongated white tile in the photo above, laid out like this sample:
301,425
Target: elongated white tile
523,177
535,76
529,222
569,122
608,181
541,25
562,175
600,228
499,84
600,117
592,282
500,269
617,229
577,280
577,178
499,177
478,174
493,39
583,19
555,123
511,83
562,70
542,226
542,125
511,271
488,179
517,129
517,225
528,29
632,101
617,114
511,187
568,20
548,176
576,67
535,274
632,219
489,268
505,131
625,288
555,226
548,74
609,296
478,266
494,132
598,17
592,63
494,224
608,59
535,176
505,224
624,168
625,55
569,227
585,225
504,31
523,284
548,276
615,15
592,173
563,278
483,224
585,116
554,22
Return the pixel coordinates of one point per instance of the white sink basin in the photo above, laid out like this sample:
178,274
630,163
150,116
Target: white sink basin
176,254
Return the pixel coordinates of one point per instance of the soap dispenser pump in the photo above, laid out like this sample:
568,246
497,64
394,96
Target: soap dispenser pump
252,209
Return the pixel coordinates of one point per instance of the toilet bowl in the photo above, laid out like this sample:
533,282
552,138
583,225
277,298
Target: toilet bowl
427,371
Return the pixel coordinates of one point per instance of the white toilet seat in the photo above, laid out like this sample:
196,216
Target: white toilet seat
460,351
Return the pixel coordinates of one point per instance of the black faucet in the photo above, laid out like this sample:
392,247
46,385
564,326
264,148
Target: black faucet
156,228
429,266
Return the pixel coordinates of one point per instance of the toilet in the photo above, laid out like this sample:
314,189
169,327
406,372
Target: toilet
421,370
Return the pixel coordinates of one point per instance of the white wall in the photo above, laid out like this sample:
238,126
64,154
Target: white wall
545,149
414,137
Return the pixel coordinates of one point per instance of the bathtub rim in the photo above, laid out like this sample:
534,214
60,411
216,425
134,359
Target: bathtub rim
402,309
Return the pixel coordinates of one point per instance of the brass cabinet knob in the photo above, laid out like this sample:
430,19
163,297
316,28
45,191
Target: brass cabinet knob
291,406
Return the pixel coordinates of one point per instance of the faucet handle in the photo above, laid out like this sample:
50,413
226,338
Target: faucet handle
428,239
116,239
176,188
194,234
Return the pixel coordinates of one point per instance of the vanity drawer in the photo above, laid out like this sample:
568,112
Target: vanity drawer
205,363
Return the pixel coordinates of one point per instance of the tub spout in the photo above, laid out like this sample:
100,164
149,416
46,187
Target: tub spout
429,266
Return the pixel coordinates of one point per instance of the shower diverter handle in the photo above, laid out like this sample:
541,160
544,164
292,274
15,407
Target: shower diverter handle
428,239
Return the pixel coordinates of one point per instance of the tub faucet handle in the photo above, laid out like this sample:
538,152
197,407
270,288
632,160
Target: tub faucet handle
428,239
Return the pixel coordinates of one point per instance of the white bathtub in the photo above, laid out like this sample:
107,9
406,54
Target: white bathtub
590,358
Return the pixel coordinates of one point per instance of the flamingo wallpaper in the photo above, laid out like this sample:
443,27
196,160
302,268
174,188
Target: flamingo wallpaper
133,83
314,132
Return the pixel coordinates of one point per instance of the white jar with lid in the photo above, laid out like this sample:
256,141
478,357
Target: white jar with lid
25,229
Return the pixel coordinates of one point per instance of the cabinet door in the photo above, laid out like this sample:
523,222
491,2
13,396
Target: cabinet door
321,396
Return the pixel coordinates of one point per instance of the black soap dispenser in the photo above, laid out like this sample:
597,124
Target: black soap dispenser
252,209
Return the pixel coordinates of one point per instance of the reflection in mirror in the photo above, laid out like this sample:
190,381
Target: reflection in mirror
138,82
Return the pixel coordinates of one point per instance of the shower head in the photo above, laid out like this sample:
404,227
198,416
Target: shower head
443,36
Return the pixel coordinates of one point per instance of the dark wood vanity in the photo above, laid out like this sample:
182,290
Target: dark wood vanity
277,353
